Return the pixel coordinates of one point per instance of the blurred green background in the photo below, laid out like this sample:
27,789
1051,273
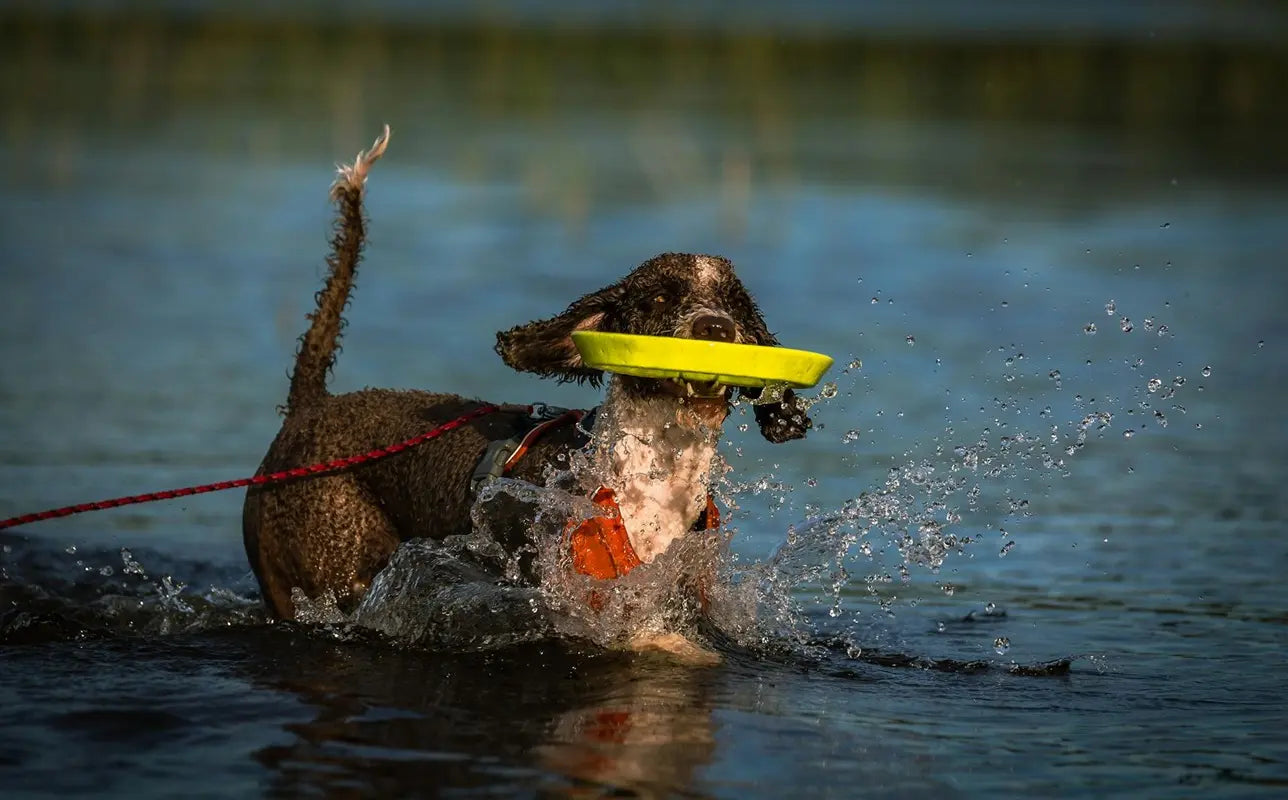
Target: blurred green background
1200,82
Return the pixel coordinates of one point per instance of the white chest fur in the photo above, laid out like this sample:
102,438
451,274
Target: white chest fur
659,468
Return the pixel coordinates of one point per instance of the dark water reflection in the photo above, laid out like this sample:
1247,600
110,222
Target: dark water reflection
954,202
599,721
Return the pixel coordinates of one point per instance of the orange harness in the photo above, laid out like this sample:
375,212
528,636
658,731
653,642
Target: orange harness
601,548
600,545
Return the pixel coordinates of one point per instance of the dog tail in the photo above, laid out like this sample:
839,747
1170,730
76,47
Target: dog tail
321,342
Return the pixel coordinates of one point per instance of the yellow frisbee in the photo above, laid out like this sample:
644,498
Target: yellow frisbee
700,360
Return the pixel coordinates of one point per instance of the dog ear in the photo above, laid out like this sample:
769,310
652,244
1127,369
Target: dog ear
780,421
545,346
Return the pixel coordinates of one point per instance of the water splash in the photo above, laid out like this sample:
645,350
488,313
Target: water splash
50,595
859,560
836,569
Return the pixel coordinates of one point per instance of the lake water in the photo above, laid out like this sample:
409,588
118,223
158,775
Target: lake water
1034,546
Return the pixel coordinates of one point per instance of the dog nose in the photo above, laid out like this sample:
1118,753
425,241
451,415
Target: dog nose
713,328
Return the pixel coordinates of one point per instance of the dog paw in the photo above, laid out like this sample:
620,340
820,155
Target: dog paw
679,647
785,420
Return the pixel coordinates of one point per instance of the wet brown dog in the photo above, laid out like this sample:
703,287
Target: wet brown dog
654,439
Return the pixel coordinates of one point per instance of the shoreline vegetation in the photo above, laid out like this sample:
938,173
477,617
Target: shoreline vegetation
773,103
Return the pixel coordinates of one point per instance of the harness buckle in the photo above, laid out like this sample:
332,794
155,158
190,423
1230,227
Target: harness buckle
543,412
492,464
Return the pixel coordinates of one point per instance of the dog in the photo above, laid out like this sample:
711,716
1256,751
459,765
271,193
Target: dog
654,440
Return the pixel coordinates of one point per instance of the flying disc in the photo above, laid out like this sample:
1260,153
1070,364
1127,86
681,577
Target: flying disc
700,360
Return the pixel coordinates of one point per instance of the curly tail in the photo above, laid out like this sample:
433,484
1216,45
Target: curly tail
321,342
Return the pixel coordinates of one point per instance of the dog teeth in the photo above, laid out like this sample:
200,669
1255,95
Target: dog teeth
703,391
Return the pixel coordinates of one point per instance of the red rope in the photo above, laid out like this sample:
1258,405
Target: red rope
258,480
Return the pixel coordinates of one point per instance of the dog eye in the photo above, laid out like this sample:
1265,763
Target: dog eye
661,299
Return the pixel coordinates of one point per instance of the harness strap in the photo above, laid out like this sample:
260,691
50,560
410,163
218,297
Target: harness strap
501,455
520,450
601,547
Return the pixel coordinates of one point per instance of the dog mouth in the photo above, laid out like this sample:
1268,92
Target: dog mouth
696,390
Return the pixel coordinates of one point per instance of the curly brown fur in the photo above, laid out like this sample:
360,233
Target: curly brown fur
320,342
654,439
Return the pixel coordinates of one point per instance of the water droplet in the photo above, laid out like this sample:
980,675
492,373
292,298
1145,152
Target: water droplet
1261,344
106,571
1125,324
1207,372
1149,323
811,482
1110,308
1005,304
1006,548
743,427
855,364
911,340
71,550
875,301
1127,434
1154,385
850,436
990,608
1166,225
1089,329
940,627
132,567
1001,644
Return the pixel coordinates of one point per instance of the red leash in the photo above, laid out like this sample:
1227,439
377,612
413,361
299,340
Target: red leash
259,480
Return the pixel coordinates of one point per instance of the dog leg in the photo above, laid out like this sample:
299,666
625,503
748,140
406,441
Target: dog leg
681,648
326,534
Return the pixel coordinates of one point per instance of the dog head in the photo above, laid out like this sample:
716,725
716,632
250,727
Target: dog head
674,294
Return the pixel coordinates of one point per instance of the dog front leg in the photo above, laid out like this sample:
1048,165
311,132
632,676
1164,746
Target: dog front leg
681,648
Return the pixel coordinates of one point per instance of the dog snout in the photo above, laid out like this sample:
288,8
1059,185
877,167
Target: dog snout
713,328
